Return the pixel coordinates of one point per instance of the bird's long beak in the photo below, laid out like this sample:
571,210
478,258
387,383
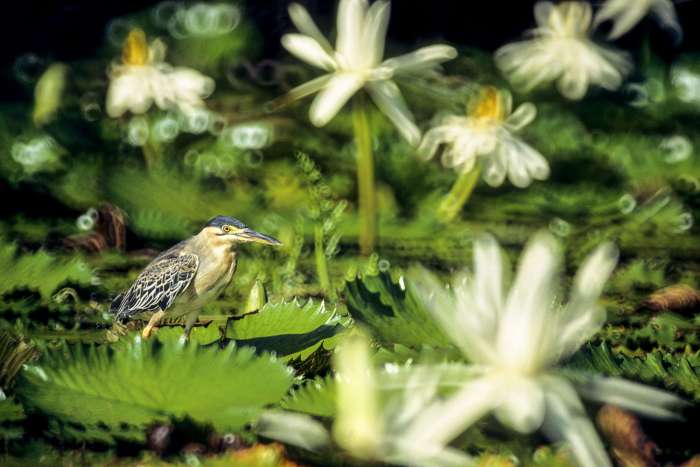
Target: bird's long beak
253,236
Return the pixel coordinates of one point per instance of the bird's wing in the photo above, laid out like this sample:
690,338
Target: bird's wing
158,285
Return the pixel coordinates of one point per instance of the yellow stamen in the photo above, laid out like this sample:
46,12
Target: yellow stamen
135,50
488,106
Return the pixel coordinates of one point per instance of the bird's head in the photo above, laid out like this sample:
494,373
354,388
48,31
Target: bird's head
224,229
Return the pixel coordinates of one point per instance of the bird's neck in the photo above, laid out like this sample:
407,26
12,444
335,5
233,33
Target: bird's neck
217,249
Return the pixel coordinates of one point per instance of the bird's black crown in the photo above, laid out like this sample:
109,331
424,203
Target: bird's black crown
218,221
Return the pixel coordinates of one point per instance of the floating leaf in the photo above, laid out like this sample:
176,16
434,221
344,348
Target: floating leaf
39,271
314,397
287,328
116,393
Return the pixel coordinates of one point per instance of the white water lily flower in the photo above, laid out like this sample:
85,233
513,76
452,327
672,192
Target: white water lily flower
625,15
514,341
487,133
357,62
366,429
143,78
562,51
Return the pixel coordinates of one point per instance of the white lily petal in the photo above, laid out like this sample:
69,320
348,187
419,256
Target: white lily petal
573,84
441,305
156,51
308,88
640,398
129,92
666,13
420,455
306,25
293,428
565,420
594,273
432,140
562,52
374,33
518,172
488,277
449,418
190,87
351,17
387,97
543,10
308,50
334,95
358,426
522,117
421,59
494,172
522,407
525,320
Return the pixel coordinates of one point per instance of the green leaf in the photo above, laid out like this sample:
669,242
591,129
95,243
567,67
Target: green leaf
39,271
394,314
314,397
128,387
288,329
10,412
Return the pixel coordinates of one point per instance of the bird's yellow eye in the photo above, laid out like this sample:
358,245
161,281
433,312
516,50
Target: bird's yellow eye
227,228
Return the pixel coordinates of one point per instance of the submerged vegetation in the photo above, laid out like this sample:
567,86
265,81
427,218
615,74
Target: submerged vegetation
486,259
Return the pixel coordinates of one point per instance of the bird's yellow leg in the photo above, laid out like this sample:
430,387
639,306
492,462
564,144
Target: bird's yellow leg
155,319
191,320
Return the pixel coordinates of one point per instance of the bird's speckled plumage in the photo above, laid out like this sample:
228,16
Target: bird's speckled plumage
166,277
181,280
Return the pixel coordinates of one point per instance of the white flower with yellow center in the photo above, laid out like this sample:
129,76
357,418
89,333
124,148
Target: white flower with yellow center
143,78
514,341
357,62
488,134
364,427
562,51
625,14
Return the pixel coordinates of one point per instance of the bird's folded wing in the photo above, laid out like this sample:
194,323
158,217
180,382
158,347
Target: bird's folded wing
158,285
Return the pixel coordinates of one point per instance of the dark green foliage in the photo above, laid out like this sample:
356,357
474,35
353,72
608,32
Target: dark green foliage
674,372
394,314
10,413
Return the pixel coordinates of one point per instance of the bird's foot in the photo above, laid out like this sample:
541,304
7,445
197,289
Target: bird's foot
155,319
147,331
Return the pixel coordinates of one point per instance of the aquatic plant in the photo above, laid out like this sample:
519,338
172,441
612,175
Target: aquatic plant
352,359
392,431
485,137
515,341
357,63
143,78
561,51
626,15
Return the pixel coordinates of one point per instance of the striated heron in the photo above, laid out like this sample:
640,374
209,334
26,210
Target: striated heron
181,280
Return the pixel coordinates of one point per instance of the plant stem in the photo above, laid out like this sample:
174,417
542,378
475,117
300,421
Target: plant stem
151,155
453,202
321,262
365,175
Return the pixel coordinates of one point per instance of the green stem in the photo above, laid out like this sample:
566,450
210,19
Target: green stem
365,176
453,202
151,155
321,262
